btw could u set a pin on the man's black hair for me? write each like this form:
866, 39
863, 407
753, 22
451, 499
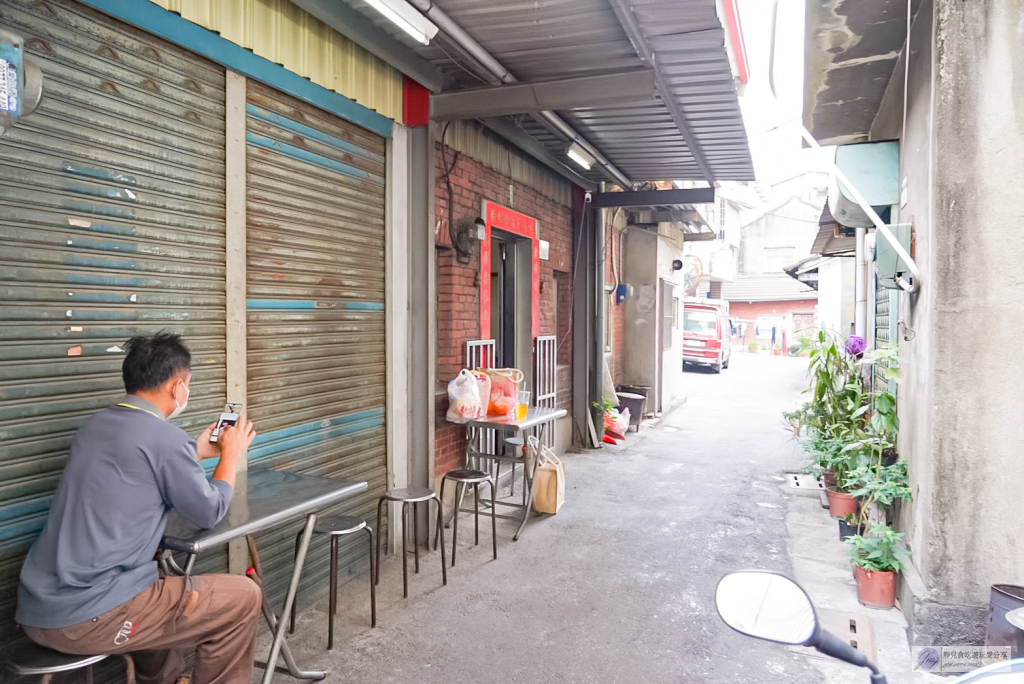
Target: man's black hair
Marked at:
152, 361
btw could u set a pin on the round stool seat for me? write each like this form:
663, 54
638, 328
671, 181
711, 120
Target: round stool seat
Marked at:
410, 494
338, 524
517, 441
33, 659
467, 476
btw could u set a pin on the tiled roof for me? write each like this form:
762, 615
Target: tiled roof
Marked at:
767, 287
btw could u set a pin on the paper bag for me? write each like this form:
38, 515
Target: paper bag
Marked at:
549, 480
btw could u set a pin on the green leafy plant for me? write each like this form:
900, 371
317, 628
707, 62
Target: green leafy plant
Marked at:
877, 550
606, 405
880, 484
753, 347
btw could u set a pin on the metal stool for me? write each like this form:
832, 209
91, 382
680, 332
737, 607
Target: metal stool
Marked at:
414, 496
34, 660
339, 526
462, 478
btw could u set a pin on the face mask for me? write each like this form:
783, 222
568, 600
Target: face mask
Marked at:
180, 407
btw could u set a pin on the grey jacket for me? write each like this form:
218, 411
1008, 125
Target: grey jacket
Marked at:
127, 469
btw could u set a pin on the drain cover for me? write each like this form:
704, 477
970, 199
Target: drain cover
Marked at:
856, 629
803, 482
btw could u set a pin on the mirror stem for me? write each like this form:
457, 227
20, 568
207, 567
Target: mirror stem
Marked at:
830, 644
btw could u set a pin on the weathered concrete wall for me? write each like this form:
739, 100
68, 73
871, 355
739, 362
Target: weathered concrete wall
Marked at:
961, 401
639, 258
979, 164
835, 295
673, 383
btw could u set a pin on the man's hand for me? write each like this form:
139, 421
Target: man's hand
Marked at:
204, 447
234, 441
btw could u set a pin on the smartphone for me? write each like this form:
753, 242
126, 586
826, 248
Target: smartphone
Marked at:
228, 417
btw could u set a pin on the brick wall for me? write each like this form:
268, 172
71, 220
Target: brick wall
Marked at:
458, 285
749, 311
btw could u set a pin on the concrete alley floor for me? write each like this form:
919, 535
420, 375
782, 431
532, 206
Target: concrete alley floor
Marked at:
619, 586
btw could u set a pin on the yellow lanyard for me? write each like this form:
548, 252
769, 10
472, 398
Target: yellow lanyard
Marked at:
139, 408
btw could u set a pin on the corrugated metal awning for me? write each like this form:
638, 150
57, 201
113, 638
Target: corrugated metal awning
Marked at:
832, 238
557, 39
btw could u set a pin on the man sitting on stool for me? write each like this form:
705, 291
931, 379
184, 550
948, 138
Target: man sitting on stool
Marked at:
90, 583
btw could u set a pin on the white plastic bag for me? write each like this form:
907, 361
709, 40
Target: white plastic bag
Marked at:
622, 422
464, 402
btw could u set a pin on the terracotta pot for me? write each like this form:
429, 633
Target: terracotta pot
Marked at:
841, 504
875, 588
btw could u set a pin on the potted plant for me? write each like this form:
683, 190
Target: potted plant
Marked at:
877, 558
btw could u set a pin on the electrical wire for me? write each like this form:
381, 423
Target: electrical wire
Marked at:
460, 256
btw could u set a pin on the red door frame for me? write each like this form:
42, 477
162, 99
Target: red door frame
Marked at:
503, 218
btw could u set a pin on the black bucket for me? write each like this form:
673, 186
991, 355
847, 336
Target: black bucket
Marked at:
1004, 598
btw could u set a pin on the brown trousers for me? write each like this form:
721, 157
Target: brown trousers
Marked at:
215, 614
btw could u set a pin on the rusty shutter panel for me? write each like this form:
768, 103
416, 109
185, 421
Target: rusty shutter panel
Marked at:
316, 363
111, 224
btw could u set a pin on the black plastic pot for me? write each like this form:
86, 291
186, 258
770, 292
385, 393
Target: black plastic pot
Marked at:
848, 530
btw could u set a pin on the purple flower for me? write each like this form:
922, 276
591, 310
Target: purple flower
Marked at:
855, 345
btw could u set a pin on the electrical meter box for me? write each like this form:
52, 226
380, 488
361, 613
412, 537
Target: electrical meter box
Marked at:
887, 264
12, 71
21, 81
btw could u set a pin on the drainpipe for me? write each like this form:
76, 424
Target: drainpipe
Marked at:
860, 287
499, 74
600, 313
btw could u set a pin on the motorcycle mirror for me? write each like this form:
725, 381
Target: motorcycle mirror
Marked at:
768, 606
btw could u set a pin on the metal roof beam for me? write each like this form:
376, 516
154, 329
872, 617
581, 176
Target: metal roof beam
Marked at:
494, 69
533, 147
654, 198
565, 93
363, 32
639, 41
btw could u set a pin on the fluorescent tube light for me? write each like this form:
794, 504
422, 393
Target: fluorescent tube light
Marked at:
580, 155
407, 18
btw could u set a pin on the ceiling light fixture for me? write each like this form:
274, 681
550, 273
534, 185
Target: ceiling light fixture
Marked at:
580, 155
407, 18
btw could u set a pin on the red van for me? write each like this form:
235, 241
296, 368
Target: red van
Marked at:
707, 336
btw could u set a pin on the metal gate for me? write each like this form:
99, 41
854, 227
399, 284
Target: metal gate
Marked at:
887, 316
111, 224
316, 362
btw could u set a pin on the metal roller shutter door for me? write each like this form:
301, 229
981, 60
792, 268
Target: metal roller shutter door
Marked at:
316, 363
111, 224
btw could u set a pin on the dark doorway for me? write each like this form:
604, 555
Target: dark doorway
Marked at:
510, 300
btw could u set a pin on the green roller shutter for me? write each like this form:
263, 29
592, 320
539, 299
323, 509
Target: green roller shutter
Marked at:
316, 362
111, 224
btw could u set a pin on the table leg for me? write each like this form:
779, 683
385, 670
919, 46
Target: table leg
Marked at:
529, 499
278, 627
